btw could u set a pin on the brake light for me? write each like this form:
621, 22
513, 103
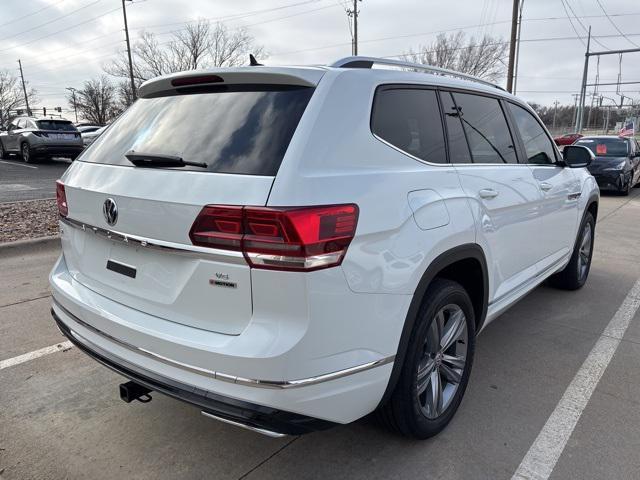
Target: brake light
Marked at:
61, 199
38, 133
291, 238
196, 80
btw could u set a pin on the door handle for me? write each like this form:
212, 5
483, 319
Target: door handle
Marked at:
488, 193
545, 186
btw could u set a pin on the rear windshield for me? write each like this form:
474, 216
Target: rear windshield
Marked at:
233, 129
606, 147
56, 125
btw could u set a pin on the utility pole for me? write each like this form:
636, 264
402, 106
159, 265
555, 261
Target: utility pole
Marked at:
575, 110
583, 89
354, 40
555, 113
126, 33
515, 74
75, 104
24, 89
512, 45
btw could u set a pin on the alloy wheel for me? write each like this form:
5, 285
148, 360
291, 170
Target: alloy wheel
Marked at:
443, 361
26, 153
584, 254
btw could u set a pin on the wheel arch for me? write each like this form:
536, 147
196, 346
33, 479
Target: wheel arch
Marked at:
465, 264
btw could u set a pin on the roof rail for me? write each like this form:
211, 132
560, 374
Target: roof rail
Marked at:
369, 62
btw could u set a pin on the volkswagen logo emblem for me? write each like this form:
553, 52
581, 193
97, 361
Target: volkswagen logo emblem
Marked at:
110, 211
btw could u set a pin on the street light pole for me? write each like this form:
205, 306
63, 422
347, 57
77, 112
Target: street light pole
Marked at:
75, 104
126, 33
24, 88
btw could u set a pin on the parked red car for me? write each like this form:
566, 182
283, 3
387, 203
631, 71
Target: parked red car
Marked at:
567, 139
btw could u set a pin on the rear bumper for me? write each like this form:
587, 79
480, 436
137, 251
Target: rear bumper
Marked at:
245, 413
283, 381
62, 150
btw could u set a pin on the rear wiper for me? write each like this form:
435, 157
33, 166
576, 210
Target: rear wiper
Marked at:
155, 160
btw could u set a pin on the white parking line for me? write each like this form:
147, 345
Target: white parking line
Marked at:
18, 164
540, 460
58, 347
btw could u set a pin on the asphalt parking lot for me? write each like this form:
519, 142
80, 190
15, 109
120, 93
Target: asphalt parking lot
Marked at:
33, 181
61, 416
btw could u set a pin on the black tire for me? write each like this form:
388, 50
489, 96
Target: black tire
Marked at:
406, 411
3, 152
575, 274
25, 153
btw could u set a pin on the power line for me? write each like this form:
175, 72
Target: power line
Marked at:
49, 21
31, 14
615, 26
571, 21
582, 24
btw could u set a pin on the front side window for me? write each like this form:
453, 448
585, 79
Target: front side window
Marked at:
486, 128
409, 119
537, 145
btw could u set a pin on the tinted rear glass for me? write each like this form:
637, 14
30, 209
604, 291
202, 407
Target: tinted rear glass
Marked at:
233, 129
409, 119
606, 147
56, 125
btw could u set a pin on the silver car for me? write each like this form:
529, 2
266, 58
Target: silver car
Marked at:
32, 138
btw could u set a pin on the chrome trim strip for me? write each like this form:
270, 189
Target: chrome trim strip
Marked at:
250, 382
227, 256
263, 431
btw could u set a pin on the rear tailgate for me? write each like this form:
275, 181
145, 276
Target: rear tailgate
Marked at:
145, 260
167, 277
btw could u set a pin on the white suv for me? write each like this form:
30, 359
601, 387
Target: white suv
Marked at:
293, 248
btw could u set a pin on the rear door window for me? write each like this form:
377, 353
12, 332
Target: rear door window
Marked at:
486, 128
537, 144
458, 147
243, 129
409, 119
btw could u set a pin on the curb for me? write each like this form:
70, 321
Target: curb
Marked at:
21, 247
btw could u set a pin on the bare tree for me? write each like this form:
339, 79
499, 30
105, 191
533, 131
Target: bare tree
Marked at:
12, 95
483, 58
96, 100
199, 45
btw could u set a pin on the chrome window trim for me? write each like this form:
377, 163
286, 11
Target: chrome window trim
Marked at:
250, 382
227, 256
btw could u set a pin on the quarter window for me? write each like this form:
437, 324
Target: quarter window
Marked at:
409, 119
486, 127
537, 145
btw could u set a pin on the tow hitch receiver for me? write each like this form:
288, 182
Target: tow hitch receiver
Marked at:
131, 391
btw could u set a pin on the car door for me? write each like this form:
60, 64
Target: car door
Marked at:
635, 160
559, 187
10, 139
502, 193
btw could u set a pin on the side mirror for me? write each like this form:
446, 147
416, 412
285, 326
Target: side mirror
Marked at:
576, 156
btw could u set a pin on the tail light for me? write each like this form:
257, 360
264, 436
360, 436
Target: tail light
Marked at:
61, 199
38, 133
292, 238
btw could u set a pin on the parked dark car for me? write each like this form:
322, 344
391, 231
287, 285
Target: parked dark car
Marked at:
567, 139
32, 138
617, 163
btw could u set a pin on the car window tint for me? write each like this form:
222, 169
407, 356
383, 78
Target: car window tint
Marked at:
486, 128
605, 146
458, 147
409, 119
537, 144
56, 125
241, 129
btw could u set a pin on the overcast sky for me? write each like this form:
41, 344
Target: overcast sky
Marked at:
63, 42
